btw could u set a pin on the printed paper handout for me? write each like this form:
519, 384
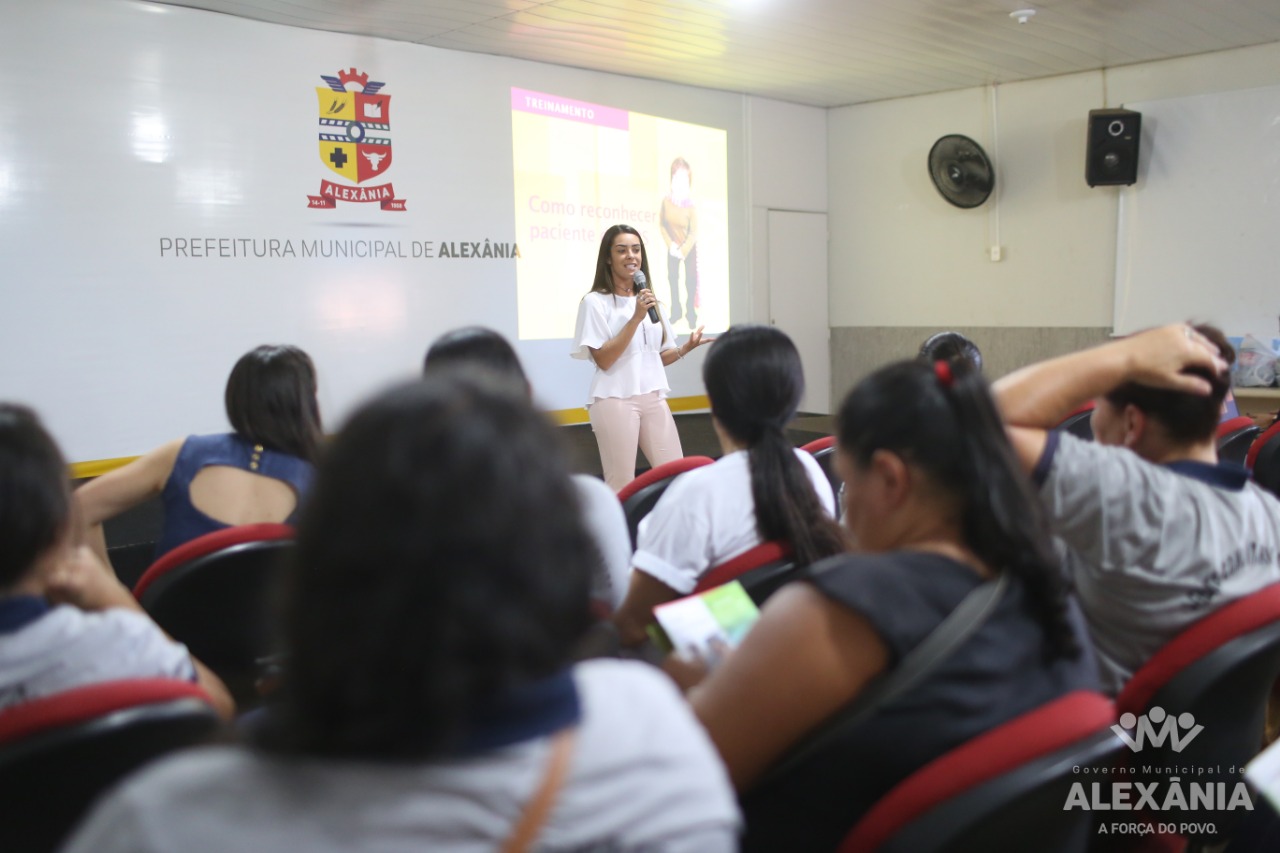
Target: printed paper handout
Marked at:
708, 625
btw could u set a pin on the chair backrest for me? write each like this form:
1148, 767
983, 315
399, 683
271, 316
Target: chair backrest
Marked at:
824, 451
1220, 671
58, 753
1078, 422
1263, 459
761, 570
1260, 442
1000, 789
1235, 436
641, 494
211, 593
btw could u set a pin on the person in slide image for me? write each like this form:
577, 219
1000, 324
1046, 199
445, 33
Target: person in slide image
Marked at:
678, 217
257, 473
429, 700
627, 400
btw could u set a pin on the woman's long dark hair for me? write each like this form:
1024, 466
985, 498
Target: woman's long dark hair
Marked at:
271, 400
754, 380
949, 428
604, 276
441, 563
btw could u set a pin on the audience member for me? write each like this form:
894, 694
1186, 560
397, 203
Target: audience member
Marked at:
762, 488
474, 347
440, 584
937, 506
65, 621
1157, 534
257, 473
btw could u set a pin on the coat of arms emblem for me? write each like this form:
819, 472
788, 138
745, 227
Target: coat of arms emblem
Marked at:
355, 140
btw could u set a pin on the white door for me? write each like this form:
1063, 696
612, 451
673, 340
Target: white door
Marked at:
798, 297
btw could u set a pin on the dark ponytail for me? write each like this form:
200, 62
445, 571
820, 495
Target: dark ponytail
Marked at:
941, 418
754, 380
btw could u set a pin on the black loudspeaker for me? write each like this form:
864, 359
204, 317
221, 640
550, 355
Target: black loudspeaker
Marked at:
1111, 151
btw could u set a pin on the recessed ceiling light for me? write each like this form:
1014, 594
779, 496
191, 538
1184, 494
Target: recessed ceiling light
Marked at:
1023, 15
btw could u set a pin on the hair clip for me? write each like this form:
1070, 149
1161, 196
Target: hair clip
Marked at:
942, 369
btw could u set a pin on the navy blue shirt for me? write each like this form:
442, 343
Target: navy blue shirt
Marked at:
182, 521
998, 673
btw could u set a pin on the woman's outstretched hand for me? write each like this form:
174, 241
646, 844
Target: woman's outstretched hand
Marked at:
696, 340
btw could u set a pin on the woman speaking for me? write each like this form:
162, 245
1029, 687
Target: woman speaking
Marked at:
622, 330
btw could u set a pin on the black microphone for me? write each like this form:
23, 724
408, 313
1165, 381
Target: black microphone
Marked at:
639, 283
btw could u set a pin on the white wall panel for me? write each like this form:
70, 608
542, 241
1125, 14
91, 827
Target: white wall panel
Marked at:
901, 256
125, 124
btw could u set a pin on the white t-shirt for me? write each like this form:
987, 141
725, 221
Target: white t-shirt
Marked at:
67, 647
607, 524
643, 776
639, 369
707, 516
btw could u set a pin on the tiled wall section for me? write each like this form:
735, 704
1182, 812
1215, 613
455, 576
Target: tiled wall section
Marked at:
858, 350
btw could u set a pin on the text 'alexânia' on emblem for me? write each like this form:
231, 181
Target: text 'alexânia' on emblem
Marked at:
355, 141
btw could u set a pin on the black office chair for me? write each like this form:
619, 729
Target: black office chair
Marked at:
58, 753
824, 451
641, 494
1079, 423
1220, 671
1002, 791
1264, 459
1235, 436
212, 595
761, 570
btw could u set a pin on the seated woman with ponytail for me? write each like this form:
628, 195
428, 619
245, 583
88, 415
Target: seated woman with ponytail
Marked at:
763, 489
937, 507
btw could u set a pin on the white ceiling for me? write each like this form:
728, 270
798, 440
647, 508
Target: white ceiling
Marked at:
820, 52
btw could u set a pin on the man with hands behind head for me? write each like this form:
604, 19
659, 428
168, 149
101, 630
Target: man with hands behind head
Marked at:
1156, 533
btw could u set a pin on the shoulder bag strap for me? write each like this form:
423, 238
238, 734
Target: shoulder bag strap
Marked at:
942, 642
539, 807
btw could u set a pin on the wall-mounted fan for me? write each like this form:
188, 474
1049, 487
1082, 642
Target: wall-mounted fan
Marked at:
961, 171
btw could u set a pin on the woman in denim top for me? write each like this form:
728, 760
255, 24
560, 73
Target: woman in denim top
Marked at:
258, 473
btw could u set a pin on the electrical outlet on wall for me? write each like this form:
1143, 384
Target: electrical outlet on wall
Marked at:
997, 253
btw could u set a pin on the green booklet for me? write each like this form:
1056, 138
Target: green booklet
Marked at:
706, 626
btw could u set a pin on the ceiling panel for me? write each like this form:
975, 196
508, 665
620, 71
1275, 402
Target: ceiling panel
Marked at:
819, 52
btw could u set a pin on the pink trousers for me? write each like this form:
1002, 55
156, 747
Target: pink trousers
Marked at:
622, 424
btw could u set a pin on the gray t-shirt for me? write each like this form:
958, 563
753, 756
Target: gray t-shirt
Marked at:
1152, 548
46, 650
643, 776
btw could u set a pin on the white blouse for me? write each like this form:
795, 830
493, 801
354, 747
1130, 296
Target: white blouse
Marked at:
639, 369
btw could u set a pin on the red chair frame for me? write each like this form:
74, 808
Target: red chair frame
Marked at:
211, 594
760, 570
59, 753
640, 495
1020, 770
1258, 443
1220, 670
823, 450
1235, 439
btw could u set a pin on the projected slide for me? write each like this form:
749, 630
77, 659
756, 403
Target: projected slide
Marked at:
580, 168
